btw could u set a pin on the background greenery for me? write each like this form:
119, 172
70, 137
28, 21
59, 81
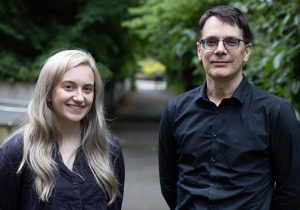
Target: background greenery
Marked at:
121, 33
168, 29
30, 30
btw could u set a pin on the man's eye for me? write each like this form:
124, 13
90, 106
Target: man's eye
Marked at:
231, 42
211, 42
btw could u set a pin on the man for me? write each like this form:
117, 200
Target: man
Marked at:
227, 144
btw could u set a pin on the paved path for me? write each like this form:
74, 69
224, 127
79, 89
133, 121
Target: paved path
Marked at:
136, 123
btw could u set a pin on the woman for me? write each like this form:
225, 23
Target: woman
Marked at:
63, 157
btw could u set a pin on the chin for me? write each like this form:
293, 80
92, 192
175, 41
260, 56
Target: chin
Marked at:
219, 75
220, 72
75, 119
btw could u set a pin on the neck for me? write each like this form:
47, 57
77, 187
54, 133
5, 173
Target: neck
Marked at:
68, 128
217, 90
71, 134
70, 142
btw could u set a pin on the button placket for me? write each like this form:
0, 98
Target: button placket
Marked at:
213, 161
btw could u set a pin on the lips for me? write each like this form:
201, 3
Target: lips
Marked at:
75, 108
220, 63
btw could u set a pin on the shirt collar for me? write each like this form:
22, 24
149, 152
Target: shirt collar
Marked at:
201, 94
240, 93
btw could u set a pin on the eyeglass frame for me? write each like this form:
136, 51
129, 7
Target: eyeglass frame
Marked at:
202, 42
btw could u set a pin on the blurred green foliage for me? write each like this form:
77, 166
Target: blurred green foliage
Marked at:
32, 30
120, 33
168, 30
274, 65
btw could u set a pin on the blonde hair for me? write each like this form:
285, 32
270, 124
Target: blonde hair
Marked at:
42, 136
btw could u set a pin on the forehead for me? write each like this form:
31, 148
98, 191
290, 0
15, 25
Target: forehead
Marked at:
215, 27
79, 74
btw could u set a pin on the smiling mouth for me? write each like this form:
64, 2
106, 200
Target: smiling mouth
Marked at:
75, 107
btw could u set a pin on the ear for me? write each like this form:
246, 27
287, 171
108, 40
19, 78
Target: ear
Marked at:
49, 98
199, 51
248, 49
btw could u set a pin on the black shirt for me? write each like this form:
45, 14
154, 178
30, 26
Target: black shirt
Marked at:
73, 190
241, 155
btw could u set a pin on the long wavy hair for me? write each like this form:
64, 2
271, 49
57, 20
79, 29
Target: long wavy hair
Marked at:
42, 136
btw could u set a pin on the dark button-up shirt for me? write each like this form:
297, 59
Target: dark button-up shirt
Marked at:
73, 190
241, 155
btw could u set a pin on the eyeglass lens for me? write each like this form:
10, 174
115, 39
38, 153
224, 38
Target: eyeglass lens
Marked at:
212, 44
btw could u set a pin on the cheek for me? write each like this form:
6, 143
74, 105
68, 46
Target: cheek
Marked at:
239, 60
205, 60
90, 99
90, 104
57, 99
207, 56
55, 94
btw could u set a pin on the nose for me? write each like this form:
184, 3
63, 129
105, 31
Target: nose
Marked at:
220, 48
78, 96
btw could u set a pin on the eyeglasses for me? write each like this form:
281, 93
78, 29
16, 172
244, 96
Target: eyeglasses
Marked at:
229, 43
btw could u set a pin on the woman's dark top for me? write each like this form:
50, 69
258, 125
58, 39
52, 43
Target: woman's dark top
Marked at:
75, 189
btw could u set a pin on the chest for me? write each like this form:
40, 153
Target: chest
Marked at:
73, 190
227, 132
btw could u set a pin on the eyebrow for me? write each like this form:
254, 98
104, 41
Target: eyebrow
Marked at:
74, 83
226, 37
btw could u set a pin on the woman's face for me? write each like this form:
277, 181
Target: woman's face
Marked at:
72, 97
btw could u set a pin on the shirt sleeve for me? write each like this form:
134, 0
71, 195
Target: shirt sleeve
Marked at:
168, 172
10, 182
285, 151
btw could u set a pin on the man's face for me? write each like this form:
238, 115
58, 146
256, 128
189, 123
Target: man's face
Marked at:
221, 63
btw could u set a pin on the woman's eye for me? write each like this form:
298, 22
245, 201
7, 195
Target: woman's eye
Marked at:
88, 89
68, 87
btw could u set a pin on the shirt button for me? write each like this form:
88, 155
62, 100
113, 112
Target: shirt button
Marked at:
210, 205
213, 161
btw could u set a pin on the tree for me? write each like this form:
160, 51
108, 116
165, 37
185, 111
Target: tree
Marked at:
274, 64
30, 32
168, 30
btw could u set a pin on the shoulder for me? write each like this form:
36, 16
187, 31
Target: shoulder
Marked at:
13, 146
265, 96
116, 155
11, 152
274, 105
114, 143
10, 181
185, 98
115, 148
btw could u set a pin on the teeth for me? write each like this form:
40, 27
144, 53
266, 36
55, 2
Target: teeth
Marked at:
76, 107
